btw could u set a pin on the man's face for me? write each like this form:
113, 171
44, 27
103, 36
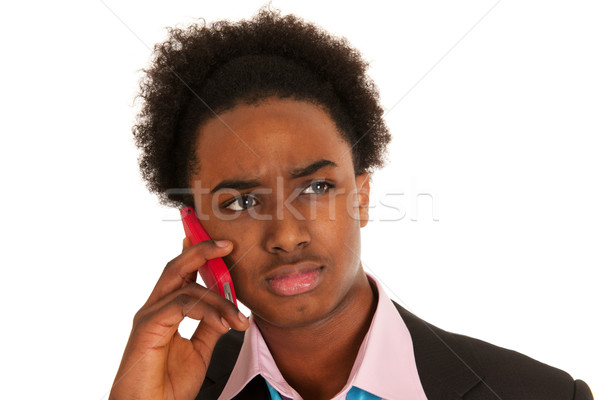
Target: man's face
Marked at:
277, 179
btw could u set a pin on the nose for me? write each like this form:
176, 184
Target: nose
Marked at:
286, 234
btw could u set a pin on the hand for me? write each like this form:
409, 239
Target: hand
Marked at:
160, 364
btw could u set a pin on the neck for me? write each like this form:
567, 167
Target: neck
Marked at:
316, 360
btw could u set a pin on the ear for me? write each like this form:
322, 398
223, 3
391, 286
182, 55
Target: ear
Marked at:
363, 190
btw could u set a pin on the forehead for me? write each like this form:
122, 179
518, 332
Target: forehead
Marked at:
270, 137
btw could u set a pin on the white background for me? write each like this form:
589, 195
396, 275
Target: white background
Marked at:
500, 128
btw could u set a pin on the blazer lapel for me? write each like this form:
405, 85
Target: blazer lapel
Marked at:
440, 359
223, 360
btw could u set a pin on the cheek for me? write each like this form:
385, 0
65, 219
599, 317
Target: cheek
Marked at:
246, 251
245, 266
337, 230
243, 246
345, 211
347, 226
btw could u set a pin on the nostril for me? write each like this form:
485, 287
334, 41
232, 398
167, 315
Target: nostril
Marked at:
285, 236
291, 248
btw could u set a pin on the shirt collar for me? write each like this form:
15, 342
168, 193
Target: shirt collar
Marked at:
385, 364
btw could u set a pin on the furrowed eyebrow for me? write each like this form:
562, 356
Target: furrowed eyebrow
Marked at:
239, 184
312, 168
236, 185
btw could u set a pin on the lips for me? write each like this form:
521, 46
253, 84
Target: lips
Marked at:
295, 279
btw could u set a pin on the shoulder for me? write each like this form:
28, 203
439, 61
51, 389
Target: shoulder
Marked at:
475, 369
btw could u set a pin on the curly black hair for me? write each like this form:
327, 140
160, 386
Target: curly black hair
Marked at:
205, 69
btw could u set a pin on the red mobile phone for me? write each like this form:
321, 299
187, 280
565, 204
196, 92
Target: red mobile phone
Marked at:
214, 273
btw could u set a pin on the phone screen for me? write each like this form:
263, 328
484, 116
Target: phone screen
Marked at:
214, 273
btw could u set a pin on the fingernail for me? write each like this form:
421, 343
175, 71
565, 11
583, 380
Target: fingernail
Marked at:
225, 324
242, 317
222, 243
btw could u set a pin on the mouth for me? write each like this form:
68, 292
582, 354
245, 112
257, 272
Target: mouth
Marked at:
294, 279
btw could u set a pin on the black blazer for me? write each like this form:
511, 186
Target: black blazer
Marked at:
450, 367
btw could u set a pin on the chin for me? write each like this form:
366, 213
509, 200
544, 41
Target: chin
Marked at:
294, 312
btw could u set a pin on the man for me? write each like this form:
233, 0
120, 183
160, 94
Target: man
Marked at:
274, 127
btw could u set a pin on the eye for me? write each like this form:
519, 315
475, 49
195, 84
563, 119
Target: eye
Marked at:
241, 203
318, 187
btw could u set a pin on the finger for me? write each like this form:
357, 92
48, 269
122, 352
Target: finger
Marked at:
182, 270
156, 329
205, 336
238, 322
225, 308
187, 243
158, 324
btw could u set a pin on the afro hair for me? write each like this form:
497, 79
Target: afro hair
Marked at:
205, 69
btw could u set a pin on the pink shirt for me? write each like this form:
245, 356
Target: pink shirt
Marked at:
385, 365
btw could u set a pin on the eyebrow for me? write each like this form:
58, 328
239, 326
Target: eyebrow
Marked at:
240, 184
236, 185
312, 168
